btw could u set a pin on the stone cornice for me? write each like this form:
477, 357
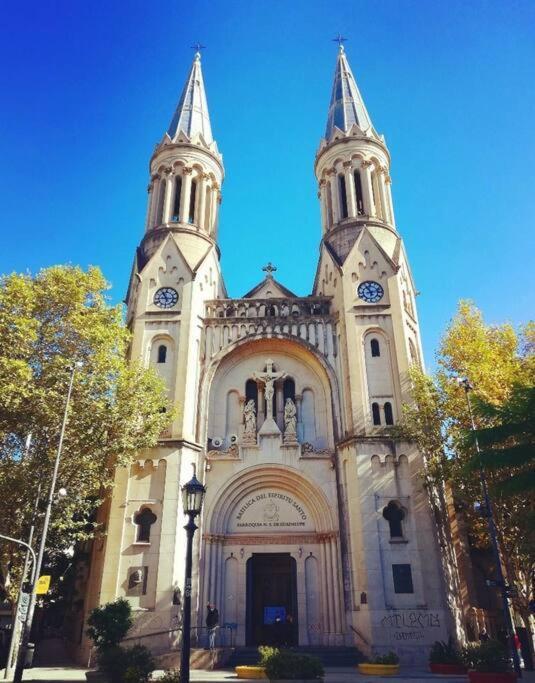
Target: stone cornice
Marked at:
178, 145
266, 539
348, 140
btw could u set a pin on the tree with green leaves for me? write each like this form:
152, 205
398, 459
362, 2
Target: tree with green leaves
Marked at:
499, 362
48, 322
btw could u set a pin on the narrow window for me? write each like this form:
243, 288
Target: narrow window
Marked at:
358, 193
191, 217
176, 203
376, 351
376, 414
376, 198
162, 353
343, 196
288, 389
394, 515
402, 576
389, 416
251, 392
144, 519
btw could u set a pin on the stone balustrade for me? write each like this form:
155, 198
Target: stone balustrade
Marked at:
305, 318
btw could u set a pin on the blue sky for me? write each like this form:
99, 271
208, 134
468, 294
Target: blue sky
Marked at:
90, 87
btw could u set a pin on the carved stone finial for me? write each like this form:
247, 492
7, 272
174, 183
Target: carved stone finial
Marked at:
269, 269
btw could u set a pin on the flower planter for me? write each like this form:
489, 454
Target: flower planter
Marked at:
251, 672
379, 669
484, 677
447, 669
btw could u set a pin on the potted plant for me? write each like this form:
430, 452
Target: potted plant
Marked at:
488, 662
108, 626
445, 658
382, 665
282, 665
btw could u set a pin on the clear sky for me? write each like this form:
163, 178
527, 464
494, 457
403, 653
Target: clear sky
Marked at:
88, 88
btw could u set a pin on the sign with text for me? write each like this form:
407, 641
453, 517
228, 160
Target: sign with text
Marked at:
43, 584
270, 511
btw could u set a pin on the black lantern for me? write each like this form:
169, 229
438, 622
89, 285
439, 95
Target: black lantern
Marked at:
192, 496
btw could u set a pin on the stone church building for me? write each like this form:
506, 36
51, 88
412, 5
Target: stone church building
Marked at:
283, 403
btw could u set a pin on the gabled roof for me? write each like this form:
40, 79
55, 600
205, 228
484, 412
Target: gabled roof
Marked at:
191, 116
273, 286
347, 107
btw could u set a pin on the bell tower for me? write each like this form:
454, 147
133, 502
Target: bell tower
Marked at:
352, 167
186, 174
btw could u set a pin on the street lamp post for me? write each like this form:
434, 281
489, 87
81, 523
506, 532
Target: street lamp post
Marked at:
192, 498
27, 624
493, 534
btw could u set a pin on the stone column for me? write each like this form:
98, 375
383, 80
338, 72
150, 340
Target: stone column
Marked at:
279, 406
213, 209
350, 190
367, 192
333, 178
298, 399
169, 195
388, 181
260, 413
150, 195
323, 205
381, 175
186, 191
201, 206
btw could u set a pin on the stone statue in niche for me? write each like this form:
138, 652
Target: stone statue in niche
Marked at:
290, 422
249, 418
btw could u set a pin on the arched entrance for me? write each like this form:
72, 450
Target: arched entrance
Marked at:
271, 550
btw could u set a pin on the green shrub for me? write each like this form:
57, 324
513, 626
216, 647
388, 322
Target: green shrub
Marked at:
281, 664
109, 624
390, 658
134, 665
445, 653
490, 656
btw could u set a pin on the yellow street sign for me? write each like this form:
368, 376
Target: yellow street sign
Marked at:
43, 585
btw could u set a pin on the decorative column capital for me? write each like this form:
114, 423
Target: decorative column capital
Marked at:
347, 164
205, 176
187, 170
323, 182
365, 163
388, 179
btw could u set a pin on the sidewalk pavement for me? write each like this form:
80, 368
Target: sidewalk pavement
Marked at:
336, 675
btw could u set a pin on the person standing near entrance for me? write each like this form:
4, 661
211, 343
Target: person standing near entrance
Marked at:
212, 623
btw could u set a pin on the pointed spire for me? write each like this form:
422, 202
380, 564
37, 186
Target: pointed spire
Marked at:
191, 115
347, 106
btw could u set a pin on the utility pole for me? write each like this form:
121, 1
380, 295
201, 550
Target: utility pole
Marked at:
27, 624
493, 536
15, 630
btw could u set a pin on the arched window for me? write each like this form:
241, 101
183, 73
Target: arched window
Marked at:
376, 414
144, 519
375, 349
251, 392
394, 515
193, 193
343, 196
162, 353
389, 416
358, 193
176, 203
288, 389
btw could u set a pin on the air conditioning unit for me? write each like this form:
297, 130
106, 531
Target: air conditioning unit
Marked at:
217, 442
233, 438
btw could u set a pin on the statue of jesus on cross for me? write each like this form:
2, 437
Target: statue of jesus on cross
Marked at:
269, 377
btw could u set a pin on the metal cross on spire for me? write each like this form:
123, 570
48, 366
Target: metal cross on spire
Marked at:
198, 47
269, 269
340, 40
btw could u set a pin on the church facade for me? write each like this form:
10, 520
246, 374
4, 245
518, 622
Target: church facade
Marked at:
284, 404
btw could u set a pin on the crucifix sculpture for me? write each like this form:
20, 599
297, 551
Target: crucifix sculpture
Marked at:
269, 377
269, 269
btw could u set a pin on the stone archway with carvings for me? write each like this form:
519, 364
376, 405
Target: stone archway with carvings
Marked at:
273, 508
